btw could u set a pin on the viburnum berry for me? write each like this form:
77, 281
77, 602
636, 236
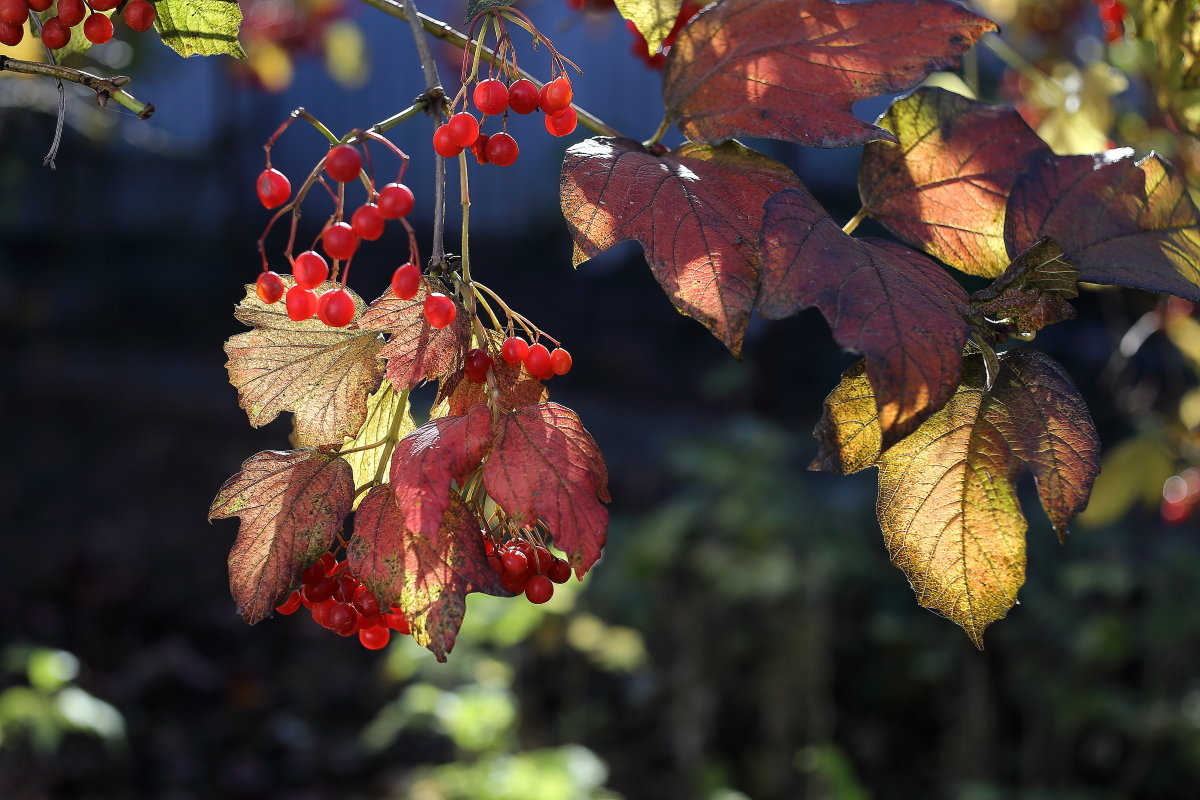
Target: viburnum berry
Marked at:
71, 12
375, 637
523, 96
396, 621
560, 571
269, 287
336, 308
491, 97
367, 221
395, 201
556, 95
562, 123
339, 240
406, 281
309, 269
501, 149
301, 304
55, 33
367, 603
480, 148
14, 12
98, 28
343, 163
463, 129
342, 619
561, 361
539, 589
103, 5
320, 591
513, 350
537, 360
11, 35
515, 563
443, 145
139, 15
272, 186
542, 559
290, 605
476, 365
439, 310
317, 571
40, 5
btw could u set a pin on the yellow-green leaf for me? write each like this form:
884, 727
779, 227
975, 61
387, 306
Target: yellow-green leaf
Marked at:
385, 408
1172, 29
653, 18
200, 27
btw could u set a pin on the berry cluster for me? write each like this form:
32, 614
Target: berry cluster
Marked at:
340, 603
526, 568
492, 98
539, 361
1112, 15
56, 30
1181, 496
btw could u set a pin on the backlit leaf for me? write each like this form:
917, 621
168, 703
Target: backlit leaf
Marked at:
385, 408
1032, 293
322, 374
416, 352
653, 18
545, 465
513, 388
848, 435
1119, 221
943, 185
892, 304
291, 503
791, 69
1171, 28
200, 27
696, 213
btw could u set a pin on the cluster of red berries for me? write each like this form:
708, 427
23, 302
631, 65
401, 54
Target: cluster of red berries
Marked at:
339, 602
493, 98
1112, 15
1181, 496
439, 309
526, 568
56, 31
539, 362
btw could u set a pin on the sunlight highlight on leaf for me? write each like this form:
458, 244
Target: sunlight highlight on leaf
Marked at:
382, 408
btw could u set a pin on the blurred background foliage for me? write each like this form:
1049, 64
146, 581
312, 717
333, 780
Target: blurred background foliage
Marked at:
744, 635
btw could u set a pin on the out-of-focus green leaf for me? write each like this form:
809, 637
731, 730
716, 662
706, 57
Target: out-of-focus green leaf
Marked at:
200, 27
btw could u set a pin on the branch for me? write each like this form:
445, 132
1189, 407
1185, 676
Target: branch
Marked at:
105, 88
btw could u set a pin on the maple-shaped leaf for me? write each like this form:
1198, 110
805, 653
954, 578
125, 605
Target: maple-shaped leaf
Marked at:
695, 211
892, 304
510, 387
429, 460
1032, 293
792, 69
429, 577
415, 351
545, 465
388, 413
291, 503
1119, 221
943, 185
321, 374
654, 19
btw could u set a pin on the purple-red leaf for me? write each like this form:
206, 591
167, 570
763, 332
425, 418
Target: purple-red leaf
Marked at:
791, 69
415, 351
545, 465
892, 304
696, 212
290, 503
1032, 293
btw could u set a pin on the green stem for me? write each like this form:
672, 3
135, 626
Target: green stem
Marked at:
105, 88
663, 127
394, 120
392, 438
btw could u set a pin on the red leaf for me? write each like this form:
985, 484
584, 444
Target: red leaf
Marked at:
544, 464
415, 351
514, 387
694, 211
1119, 221
428, 460
890, 303
290, 503
791, 69
429, 577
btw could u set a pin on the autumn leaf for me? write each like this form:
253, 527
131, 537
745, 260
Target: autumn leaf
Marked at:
848, 435
792, 69
943, 185
429, 577
545, 465
892, 304
322, 374
654, 19
1119, 221
695, 212
416, 352
290, 502
1032, 293
511, 387
1168, 29
385, 408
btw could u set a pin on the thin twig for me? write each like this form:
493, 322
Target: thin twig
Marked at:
105, 88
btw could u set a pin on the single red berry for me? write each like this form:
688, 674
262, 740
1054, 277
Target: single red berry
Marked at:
539, 589
537, 360
40, 5
463, 129
443, 145
406, 281
560, 571
269, 287
374, 638
320, 611
368, 221
542, 559
480, 148
491, 97
513, 350
562, 123
515, 563
14, 12
98, 28
345, 585
556, 95
301, 303
11, 35
55, 33
340, 241
396, 621
439, 310
273, 187
501, 149
72, 12
366, 602
320, 591
104, 5
139, 15
395, 201
309, 269
560, 361
522, 96
514, 583
343, 163
318, 569
489, 547
342, 619
290, 605
476, 365
336, 308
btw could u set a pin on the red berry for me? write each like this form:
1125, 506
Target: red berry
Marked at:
560, 571
72, 12
290, 605
366, 602
562, 123
273, 188
340, 241
522, 96
104, 5
368, 221
443, 145
476, 365
501, 149
555, 96
336, 308
439, 310
342, 619
463, 129
269, 287
542, 558
14, 12
309, 269
406, 281
513, 350
491, 97
396, 621
55, 33
395, 201
515, 563
301, 303
560, 361
317, 571
40, 5
343, 163
480, 148
320, 591
513, 583
320, 612
539, 589
537, 360
374, 638
98, 28
11, 35
139, 15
